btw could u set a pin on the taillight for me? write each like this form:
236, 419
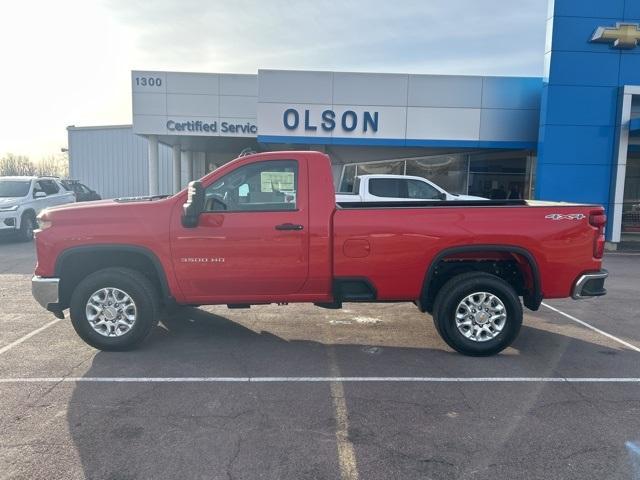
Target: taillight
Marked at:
598, 220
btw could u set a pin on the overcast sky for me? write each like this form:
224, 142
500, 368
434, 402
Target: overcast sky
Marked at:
67, 62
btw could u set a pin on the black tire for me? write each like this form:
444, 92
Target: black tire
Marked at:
27, 225
452, 294
141, 291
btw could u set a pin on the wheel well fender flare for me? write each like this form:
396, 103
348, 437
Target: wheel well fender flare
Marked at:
120, 248
531, 301
27, 212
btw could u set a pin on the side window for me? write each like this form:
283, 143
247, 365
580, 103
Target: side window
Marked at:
386, 187
418, 189
261, 186
37, 187
47, 186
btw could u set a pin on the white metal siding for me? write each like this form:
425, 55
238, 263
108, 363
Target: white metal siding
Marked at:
113, 161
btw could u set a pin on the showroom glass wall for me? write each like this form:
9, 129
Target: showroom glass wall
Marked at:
492, 174
631, 206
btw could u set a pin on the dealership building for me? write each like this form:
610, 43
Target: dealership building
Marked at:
571, 135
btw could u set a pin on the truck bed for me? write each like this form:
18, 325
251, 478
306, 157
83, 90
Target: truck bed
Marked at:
392, 251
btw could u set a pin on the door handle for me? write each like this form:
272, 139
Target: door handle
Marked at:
289, 226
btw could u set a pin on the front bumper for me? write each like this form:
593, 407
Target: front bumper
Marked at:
590, 285
45, 291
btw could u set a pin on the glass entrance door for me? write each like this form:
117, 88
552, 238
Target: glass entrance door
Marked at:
631, 206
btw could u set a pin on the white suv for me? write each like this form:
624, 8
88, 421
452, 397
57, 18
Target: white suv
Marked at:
22, 198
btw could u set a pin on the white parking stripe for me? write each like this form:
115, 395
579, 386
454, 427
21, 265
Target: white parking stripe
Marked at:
595, 329
346, 451
320, 379
28, 336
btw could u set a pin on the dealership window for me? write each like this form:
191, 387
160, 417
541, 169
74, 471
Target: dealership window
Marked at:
631, 205
447, 171
489, 174
347, 181
261, 186
500, 175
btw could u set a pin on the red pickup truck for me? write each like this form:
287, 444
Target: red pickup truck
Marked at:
265, 228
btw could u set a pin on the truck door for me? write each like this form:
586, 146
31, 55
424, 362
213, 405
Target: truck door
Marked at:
252, 239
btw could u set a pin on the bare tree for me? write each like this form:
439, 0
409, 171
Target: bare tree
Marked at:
53, 165
16, 165
56, 166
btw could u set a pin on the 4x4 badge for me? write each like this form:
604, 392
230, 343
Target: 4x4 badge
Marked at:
569, 216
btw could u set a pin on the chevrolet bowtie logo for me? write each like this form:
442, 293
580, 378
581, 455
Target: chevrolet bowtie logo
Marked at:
623, 35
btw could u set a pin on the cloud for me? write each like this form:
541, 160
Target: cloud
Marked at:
488, 37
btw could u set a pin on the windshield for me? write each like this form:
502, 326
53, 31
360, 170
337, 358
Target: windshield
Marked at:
14, 188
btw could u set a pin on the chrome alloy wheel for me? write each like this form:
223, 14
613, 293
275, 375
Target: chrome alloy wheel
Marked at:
481, 316
111, 312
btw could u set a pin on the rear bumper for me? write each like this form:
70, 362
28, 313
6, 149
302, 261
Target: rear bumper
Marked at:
590, 285
45, 291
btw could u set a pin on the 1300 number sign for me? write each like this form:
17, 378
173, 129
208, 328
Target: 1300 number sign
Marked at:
148, 81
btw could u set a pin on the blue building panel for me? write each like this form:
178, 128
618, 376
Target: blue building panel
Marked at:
630, 69
613, 9
574, 183
580, 105
632, 11
576, 145
585, 68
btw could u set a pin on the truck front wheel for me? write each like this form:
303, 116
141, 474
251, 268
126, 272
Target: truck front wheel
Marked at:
114, 308
477, 314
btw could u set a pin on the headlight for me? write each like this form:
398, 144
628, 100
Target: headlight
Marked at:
12, 208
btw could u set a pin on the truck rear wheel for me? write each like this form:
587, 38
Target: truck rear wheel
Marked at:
477, 314
114, 308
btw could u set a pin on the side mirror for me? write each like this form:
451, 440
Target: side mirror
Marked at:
442, 196
39, 194
194, 205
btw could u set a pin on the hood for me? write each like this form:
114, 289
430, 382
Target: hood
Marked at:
9, 201
81, 205
102, 210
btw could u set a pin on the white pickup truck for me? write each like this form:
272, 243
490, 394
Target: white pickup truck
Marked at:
397, 188
22, 198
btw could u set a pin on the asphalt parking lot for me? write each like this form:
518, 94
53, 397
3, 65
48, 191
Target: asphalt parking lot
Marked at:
298, 392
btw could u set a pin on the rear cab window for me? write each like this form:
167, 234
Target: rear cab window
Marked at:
388, 187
